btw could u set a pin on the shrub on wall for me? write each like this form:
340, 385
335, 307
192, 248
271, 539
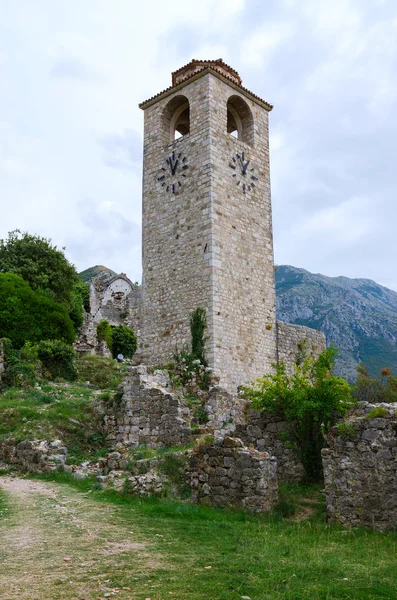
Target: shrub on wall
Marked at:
198, 325
310, 401
104, 332
57, 359
123, 341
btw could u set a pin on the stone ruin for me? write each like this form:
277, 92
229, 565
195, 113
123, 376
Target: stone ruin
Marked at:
116, 299
360, 468
228, 474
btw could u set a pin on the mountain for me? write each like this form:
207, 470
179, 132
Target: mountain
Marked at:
97, 271
358, 315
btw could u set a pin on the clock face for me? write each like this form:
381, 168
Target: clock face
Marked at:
244, 172
173, 172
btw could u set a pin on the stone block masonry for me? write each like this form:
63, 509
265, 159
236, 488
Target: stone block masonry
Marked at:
294, 342
267, 433
360, 468
36, 456
227, 474
207, 235
146, 411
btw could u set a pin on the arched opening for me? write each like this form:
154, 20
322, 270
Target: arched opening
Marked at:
240, 122
176, 118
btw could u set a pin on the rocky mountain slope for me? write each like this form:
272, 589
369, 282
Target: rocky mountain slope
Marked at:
358, 315
98, 270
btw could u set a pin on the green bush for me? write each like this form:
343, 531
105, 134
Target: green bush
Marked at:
123, 341
27, 315
57, 359
198, 325
40, 264
310, 401
346, 431
104, 332
378, 412
375, 389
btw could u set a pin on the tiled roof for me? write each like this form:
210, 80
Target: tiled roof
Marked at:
207, 66
206, 63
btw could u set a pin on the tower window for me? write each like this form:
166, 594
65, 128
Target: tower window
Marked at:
176, 118
240, 122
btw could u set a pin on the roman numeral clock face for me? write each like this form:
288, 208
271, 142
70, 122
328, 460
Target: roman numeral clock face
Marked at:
244, 172
173, 172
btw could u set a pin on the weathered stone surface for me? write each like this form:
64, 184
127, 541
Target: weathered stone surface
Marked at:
148, 412
296, 341
265, 433
36, 456
246, 480
360, 470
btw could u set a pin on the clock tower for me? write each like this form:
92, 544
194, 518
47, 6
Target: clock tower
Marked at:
207, 226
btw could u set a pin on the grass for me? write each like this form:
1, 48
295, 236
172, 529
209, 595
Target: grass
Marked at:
224, 555
57, 411
62, 410
105, 373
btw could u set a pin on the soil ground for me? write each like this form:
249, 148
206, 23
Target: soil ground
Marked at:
59, 544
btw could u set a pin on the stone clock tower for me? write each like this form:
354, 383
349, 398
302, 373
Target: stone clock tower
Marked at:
207, 225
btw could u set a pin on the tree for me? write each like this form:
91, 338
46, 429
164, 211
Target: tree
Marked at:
41, 264
123, 341
28, 315
310, 401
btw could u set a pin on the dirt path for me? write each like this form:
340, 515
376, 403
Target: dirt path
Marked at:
56, 543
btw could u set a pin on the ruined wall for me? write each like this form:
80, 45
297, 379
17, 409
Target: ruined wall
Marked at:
227, 474
115, 299
37, 456
146, 412
360, 469
296, 341
267, 433
224, 410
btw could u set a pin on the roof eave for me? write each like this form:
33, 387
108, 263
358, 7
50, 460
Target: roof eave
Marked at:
172, 89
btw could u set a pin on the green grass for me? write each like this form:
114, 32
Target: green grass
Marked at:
262, 557
105, 373
56, 411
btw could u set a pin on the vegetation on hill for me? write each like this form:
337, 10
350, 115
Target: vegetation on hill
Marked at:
358, 316
60, 410
97, 271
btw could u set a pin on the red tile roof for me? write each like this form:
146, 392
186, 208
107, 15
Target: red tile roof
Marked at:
207, 66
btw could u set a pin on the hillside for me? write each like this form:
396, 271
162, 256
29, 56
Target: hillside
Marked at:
98, 270
358, 315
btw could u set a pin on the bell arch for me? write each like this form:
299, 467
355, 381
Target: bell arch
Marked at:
240, 122
176, 118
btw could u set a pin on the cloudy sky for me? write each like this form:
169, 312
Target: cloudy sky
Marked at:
73, 71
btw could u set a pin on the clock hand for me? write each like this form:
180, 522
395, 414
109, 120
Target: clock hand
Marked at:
245, 167
174, 167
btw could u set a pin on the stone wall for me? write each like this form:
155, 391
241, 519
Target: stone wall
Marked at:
227, 474
37, 456
267, 433
224, 410
295, 341
146, 411
360, 468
